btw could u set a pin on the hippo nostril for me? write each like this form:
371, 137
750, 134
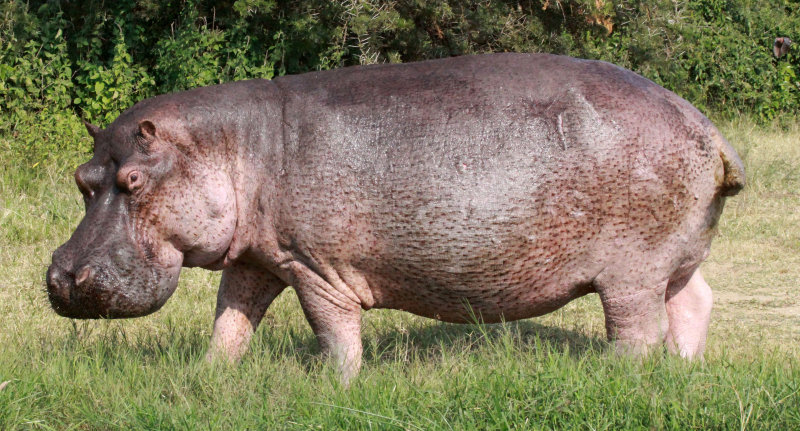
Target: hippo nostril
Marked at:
55, 278
58, 283
52, 275
83, 275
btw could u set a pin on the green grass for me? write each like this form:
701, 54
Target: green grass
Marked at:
551, 372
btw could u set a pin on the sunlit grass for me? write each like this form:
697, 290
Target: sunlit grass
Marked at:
551, 372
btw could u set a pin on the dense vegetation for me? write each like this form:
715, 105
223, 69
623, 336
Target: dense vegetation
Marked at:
61, 60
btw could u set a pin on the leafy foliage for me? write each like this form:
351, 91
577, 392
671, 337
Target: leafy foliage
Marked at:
104, 91
36, 90
92, 59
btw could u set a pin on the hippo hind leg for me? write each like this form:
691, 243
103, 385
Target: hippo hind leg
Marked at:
335, 318
688, 302
635, 313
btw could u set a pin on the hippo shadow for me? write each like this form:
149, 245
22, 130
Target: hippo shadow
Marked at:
395, 337
431, 341
428, 341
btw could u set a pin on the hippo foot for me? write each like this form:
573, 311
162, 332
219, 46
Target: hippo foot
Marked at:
338, 331
334, 317
636, 319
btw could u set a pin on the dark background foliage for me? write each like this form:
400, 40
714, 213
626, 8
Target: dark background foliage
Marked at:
62, 60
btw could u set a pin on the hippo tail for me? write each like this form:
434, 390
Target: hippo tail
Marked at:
733, 178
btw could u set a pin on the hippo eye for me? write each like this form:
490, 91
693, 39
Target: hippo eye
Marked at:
130, 179
134, 180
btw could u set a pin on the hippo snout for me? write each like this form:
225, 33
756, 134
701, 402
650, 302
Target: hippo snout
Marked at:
72, 293
110, 284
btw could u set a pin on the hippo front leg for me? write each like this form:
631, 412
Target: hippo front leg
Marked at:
245, 292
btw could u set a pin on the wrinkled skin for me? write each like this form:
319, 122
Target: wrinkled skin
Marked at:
490, 187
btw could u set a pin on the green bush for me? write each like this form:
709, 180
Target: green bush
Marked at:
196, 56
36, 87
104, 91
60, 61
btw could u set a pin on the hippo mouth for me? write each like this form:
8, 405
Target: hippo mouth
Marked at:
102, 295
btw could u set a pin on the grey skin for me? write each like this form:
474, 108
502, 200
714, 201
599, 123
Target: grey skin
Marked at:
498, 186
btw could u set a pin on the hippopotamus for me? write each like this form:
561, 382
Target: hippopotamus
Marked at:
479, 188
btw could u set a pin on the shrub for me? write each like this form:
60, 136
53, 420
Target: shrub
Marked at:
36, 90
103, 91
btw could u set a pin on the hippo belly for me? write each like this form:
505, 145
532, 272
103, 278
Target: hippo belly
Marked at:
498, 252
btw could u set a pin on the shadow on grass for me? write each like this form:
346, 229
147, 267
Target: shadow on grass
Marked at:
423, 340
430, 341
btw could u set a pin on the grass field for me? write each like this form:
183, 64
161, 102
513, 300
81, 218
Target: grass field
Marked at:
551, 372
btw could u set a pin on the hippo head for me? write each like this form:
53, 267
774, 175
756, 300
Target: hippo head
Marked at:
155, 201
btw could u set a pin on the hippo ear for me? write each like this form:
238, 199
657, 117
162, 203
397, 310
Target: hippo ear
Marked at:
91, 128
147, 129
